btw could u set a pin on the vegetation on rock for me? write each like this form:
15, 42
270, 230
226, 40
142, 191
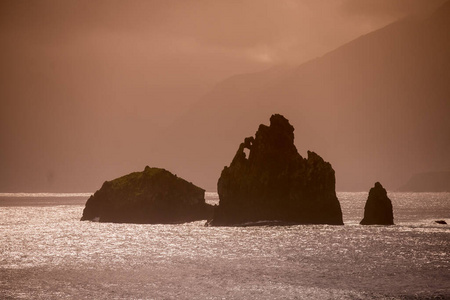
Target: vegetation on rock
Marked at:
152, 196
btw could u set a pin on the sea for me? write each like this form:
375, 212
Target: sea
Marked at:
46, 252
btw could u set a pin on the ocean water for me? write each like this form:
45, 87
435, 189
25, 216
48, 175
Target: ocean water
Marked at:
47, 253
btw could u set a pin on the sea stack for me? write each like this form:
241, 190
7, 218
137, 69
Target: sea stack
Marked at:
378, 208
154, 196
274, 184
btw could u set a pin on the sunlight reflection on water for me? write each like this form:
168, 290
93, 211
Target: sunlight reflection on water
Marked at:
47, 251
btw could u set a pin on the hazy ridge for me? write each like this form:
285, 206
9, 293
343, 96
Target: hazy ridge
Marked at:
376, 108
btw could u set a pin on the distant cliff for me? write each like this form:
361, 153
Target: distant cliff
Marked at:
274, 183
151, 196
380, 101
428, 182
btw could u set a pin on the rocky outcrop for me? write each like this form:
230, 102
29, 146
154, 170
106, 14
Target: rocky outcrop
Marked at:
152, 196
442, 222
378, 208
274, 183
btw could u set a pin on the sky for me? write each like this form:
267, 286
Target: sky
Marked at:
80, 78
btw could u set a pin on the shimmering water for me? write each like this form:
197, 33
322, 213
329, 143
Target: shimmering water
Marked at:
47, 253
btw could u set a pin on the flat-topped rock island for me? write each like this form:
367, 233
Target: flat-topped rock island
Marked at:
153, 196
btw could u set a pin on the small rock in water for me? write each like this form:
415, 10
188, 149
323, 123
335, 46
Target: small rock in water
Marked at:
378, 208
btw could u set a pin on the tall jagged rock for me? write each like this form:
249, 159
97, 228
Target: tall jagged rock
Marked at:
274, 183
152, 196
378, 208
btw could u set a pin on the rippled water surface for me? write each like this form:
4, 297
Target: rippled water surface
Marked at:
47, 253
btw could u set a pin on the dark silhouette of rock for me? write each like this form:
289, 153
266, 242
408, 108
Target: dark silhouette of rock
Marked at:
152, 196
378, 208
441, 222
274, 183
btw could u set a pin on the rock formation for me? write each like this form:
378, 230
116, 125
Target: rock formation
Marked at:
442, 222
378, 208
274, 183
152, 196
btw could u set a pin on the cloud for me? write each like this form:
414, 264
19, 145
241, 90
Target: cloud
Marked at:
272, 31
381, 9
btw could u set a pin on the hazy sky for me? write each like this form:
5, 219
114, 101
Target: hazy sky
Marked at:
78, 75
138, 51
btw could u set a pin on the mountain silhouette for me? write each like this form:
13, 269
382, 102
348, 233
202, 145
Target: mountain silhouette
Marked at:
376, 108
